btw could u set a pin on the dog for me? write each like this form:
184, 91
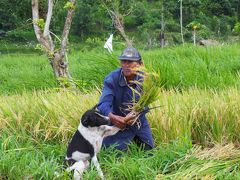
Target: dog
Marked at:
87, 142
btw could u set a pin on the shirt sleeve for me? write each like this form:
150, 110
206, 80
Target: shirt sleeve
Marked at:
106, 99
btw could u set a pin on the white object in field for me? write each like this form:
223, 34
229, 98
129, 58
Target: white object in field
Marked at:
108, 44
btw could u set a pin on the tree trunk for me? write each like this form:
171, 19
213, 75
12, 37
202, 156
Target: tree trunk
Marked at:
128, 42
181, 24
118, 22
60, 66
117, 19
57, 58
194, 37
162, 40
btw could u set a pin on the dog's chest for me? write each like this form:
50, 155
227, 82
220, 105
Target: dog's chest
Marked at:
96, 142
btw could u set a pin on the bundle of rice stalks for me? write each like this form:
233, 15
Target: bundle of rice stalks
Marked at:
218, 152
149, 92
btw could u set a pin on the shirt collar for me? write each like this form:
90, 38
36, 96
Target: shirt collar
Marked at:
122, 80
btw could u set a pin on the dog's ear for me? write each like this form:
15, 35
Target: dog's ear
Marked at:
84, 119
88, 118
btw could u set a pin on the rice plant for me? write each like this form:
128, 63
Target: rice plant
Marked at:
45, 115
180, 68
203, 116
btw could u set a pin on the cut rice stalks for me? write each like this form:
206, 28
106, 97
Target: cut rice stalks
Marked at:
210, 163
150, 86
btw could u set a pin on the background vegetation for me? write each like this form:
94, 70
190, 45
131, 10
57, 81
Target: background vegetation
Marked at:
180, 68
220, 20
195, 130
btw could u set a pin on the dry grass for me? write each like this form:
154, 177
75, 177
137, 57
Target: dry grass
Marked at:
204, 116
44, 115
208, 163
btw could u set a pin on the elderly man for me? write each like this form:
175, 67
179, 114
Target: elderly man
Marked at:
117, 94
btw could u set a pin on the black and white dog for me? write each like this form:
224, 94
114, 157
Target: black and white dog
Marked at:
87, 142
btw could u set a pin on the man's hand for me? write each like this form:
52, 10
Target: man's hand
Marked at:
131, 118
117, 120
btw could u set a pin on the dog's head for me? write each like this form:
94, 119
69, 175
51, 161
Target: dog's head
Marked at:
92, 118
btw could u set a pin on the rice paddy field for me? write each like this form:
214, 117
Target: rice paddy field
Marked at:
196, 130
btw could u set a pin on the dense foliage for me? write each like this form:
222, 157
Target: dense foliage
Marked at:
142, 20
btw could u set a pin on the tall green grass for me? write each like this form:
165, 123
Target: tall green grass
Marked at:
180, 67
21, 72
21, 157
24, 158
204, 67
25, 72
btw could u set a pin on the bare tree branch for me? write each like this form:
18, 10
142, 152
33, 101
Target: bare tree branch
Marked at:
35, 15
162, 43
38, 32
48, 19
181, 24
66, 29
117, 19
46, 33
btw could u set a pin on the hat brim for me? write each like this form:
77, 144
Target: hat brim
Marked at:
128, 58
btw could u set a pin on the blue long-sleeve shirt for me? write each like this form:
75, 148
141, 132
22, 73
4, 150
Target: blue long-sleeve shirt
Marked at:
117, 95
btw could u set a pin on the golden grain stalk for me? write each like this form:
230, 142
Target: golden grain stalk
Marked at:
149, 93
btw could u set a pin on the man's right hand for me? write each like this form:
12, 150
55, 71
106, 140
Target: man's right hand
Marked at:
117, 120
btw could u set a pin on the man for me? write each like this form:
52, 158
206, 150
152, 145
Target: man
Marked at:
116, 96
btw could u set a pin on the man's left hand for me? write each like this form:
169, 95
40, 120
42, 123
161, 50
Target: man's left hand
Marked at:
131, 118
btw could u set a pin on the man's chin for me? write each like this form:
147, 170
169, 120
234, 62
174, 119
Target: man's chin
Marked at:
127, 73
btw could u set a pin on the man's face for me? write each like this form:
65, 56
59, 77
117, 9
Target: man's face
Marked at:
129, 68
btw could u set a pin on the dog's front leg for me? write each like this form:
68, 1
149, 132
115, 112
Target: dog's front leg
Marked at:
110, 130
97, 165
